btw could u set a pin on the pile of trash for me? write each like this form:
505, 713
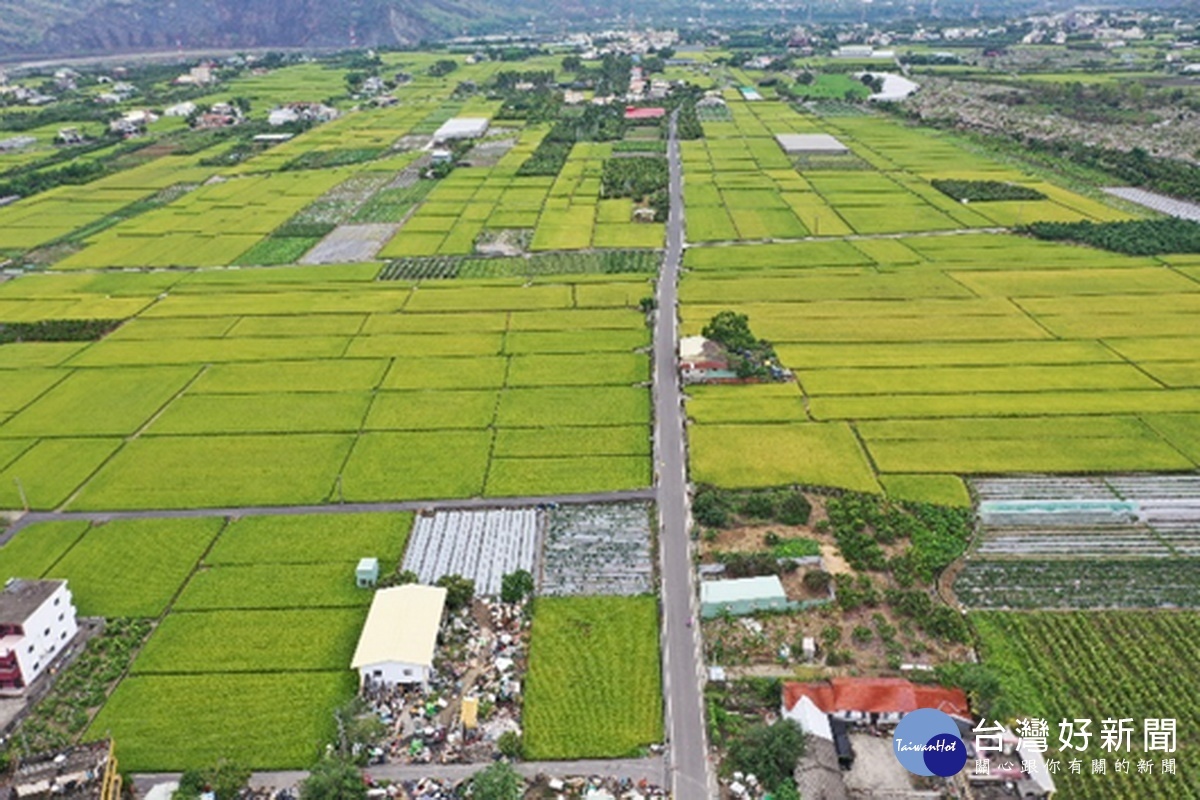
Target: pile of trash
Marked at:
597, 788
745, 786
590, 788
473, 699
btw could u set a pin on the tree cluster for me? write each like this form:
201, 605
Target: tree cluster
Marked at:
984, 191
225, 780
57, 330
769, 752
723, 508
1142, 237
861, 524
1135, 167
442, 67
593, 124
749, 356
643, 178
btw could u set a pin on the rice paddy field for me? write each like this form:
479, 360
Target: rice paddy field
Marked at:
606, 650
322, 323
286, 391
926, 343
237, 602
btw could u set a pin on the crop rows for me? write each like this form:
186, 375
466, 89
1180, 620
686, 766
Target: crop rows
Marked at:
1031, 583
1102, 665
589, 653
482, 546
604, 262
598, 550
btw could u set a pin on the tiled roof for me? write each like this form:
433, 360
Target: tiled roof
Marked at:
877, 696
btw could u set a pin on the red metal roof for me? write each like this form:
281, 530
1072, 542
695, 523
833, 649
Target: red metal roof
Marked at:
633, 112
876, 696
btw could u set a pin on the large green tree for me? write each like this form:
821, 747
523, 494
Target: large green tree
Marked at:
769, 751
498, 782
333, 779
730, 329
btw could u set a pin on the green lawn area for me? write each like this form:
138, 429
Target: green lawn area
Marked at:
594, 683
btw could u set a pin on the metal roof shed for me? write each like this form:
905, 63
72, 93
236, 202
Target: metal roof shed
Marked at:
810, 144
741, 596
399, 638
461, 128
366, 574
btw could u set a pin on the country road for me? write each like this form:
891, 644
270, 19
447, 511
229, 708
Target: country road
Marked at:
689, 773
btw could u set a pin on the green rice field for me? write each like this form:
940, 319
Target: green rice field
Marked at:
308, 391
922, 357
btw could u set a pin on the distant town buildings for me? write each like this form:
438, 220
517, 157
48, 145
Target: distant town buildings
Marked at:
292, 113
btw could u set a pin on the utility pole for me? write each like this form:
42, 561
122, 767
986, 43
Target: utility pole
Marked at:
21, 491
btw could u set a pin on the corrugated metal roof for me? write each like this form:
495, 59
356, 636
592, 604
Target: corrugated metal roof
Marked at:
742, 589
462, 128
810, 143
402, 626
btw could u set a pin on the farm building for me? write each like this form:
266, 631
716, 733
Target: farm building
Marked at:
895, 87
635, 113
802, 144
749, 93
875, 701
461, 128
742, 596
37, 620
366, 574
400, 635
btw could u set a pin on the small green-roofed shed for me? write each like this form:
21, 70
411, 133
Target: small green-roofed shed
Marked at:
366, 574
741, 596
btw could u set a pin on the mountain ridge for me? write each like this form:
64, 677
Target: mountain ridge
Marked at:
90, 27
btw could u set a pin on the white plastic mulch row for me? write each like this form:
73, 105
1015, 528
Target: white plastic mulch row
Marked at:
480, 545
1159, 202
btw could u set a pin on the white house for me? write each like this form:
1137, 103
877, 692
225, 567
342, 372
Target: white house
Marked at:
37, 620
399, 638
282, 116
180, 110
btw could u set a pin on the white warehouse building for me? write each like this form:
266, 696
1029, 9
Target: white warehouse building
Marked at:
400, 635
37, 621
461, 128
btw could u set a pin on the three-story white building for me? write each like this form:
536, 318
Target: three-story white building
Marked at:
37, 620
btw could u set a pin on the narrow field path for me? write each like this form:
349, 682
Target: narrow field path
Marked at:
33, 517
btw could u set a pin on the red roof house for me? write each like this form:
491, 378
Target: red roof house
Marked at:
633, 112
875, 700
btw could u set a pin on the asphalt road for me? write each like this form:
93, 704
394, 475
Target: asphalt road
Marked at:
690, 776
